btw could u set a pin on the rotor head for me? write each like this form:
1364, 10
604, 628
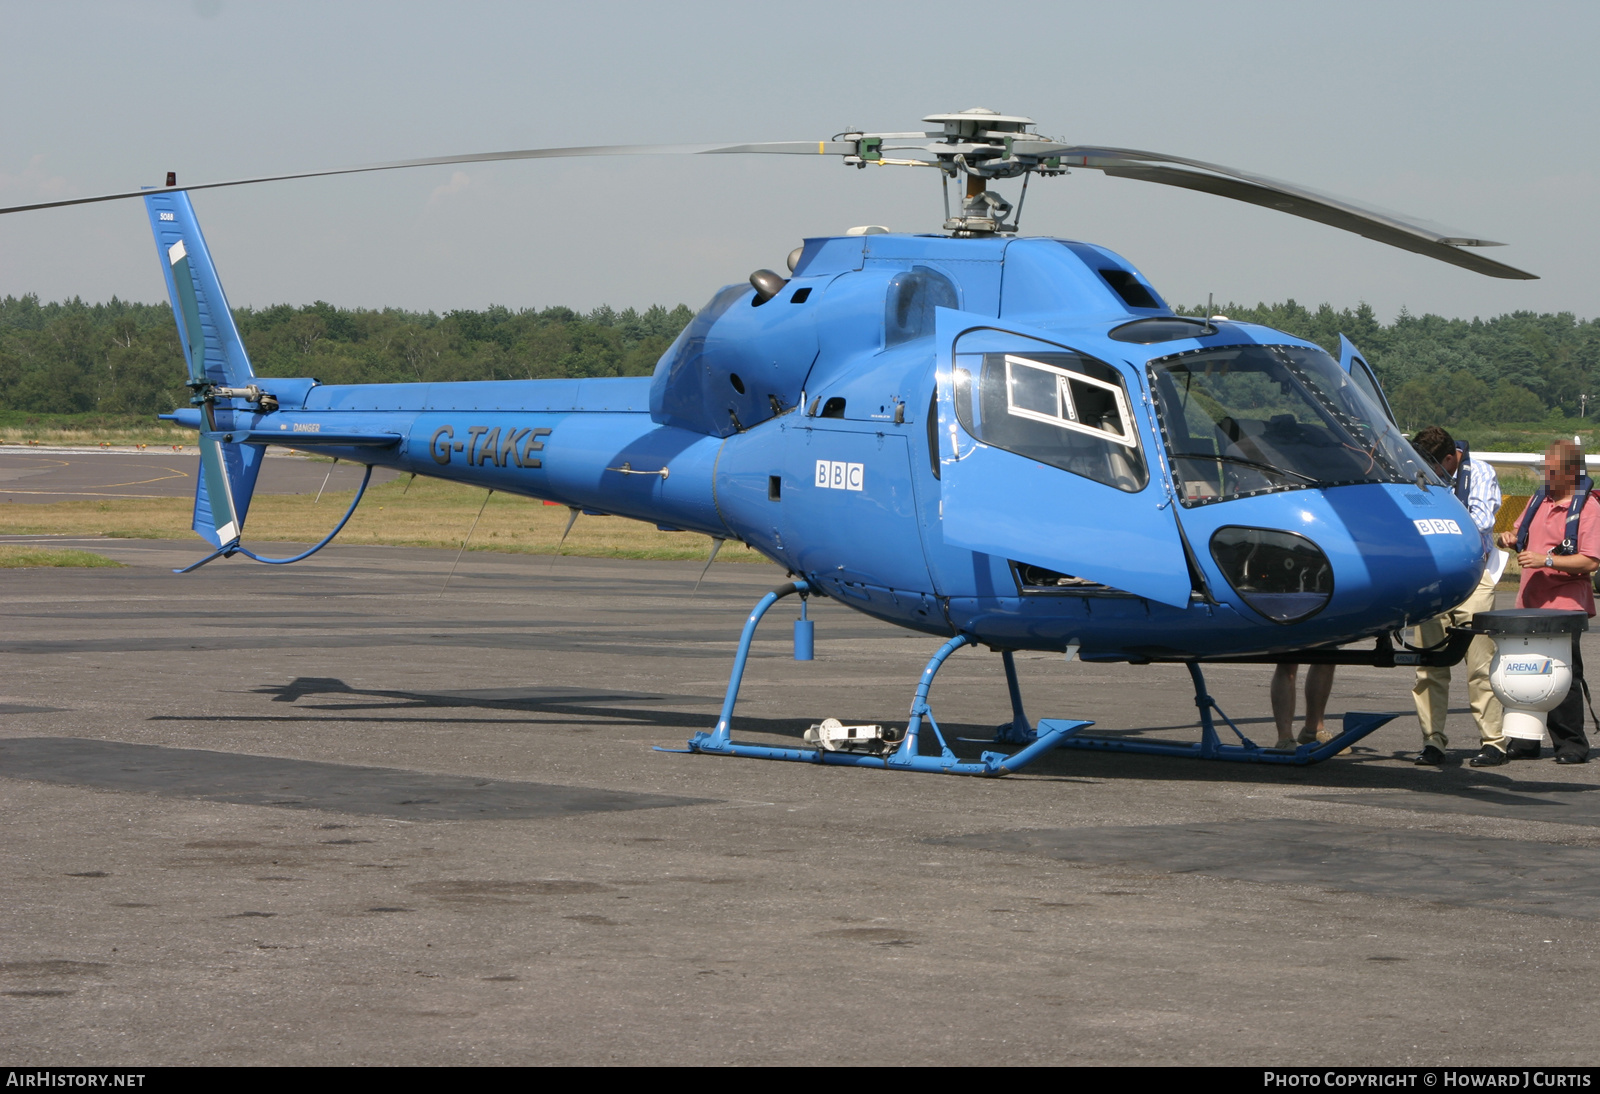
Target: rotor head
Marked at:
980, 122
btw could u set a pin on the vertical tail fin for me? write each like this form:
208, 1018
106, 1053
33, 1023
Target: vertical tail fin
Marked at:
215, 355
211, 342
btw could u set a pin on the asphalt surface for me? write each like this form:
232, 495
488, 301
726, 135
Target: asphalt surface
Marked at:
325, 814
42, 475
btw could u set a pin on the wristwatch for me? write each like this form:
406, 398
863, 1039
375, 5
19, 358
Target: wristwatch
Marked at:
1550, 563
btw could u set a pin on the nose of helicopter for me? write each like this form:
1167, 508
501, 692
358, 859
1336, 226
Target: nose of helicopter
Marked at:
1341, 560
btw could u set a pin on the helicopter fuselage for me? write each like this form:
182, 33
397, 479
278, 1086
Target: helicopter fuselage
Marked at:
1015, 440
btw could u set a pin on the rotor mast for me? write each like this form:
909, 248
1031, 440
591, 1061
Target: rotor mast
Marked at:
981, 145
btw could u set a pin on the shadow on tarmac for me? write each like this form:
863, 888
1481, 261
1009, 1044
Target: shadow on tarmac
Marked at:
1456, 789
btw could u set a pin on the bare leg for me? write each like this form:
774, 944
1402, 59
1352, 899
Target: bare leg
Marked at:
1319, 685
1283, 681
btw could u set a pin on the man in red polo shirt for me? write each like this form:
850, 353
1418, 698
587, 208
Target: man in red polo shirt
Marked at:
1557, 575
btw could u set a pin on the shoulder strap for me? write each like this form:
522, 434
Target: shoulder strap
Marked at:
1527, 519
1569, 544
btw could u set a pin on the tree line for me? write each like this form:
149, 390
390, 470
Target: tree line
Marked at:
124, 358
1520, 367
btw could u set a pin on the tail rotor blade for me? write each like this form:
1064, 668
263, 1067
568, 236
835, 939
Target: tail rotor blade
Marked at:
224, 515
188, 312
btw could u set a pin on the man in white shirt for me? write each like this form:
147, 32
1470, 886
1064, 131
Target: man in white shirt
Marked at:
1479, 490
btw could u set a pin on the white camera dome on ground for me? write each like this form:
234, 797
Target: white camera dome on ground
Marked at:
1530, 673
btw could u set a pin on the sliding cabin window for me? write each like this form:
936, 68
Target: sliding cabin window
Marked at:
1062, 409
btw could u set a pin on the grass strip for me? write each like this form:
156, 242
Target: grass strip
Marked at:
16, 557
428, 513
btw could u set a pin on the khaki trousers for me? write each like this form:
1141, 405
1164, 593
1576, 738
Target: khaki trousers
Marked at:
1432, 690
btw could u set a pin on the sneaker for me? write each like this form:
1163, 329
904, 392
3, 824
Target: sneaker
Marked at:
1526, 751
1489, 756
1430, 757
1285, 744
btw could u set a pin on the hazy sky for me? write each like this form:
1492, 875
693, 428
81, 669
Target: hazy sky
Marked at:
1481, 116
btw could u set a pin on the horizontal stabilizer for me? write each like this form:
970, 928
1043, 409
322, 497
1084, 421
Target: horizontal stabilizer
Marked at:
192, 419
313, 440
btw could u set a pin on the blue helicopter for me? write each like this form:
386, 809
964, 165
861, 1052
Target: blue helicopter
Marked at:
996, 440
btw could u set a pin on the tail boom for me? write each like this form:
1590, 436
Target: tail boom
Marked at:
599, 460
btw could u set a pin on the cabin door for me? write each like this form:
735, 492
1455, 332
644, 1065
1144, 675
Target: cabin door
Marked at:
1051, 458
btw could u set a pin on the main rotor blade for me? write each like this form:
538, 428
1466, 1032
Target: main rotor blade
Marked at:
1397, 230
788, 148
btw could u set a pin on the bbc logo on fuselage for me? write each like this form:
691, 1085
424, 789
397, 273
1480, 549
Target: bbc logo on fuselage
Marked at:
836, 475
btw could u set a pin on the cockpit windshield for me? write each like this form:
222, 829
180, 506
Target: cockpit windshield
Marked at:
1255, 419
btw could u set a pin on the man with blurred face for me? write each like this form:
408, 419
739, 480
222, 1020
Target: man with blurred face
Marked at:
1479, 490
1556, 573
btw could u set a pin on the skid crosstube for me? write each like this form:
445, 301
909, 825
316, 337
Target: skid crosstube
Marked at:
1050, 734
906, 755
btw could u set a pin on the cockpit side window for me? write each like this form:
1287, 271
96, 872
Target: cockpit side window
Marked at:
1369, 386
1062, 409
908, 310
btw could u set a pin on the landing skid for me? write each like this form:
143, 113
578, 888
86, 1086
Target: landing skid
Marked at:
1212, 746
905, 755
